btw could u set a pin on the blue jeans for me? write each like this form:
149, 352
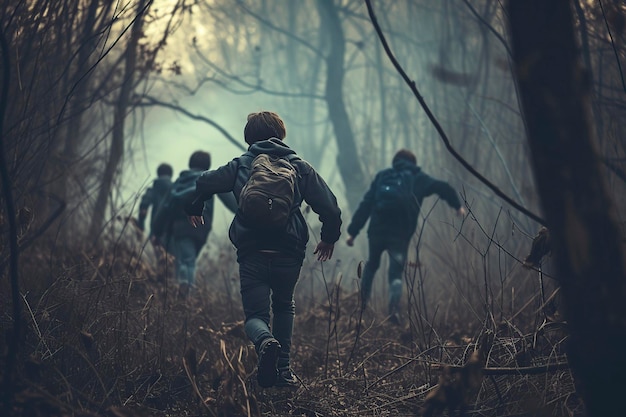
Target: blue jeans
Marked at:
266, 278
397, 251
186, 251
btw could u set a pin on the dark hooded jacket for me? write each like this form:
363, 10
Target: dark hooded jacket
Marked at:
152, 198
171, 219
402, 226
310, 188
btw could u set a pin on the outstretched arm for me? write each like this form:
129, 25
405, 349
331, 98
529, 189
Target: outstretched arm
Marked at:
144, 205
318, 195
448, 194
220, 180
362, 213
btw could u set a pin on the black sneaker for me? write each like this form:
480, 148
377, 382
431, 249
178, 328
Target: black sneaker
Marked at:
267, 373
286, 379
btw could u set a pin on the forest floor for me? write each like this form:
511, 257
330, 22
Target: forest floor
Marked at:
108, 334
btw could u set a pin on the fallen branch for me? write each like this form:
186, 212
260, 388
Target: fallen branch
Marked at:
523, 370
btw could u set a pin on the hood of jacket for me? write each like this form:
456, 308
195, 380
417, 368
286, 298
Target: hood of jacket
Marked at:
161, 184
185, 183
272, 146
403, 165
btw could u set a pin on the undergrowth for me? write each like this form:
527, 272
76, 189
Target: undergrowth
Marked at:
107, 333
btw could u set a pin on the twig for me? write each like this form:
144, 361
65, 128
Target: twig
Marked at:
400, 367
155, 102
194, 385
619, 64
40, 231
39, 334
243, 384
524, 370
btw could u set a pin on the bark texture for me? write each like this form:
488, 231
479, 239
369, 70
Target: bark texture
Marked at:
586, 241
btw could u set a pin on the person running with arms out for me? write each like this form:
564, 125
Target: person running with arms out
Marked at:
154, 195
392, 205
270, 235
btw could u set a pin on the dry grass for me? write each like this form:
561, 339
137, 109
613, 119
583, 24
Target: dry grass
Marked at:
107, 335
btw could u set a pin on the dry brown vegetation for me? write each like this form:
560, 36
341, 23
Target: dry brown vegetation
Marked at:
108, 335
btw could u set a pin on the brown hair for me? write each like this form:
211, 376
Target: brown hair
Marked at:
405, 154
262, 126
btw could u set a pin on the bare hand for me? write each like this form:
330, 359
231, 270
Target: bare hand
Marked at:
350, 241
195, 220
461, 212
324, 251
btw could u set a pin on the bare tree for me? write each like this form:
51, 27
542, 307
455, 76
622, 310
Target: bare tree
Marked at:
555, 92
121, 109
348, 157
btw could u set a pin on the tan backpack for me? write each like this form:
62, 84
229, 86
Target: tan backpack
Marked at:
267, 198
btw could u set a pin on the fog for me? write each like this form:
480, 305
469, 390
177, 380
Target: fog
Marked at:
269, 71
517, 106
184, 77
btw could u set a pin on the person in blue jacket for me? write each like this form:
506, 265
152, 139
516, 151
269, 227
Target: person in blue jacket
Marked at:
392, 204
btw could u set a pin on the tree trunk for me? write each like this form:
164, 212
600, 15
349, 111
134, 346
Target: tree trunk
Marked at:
588, 248
73, 132
117, 135
347, 157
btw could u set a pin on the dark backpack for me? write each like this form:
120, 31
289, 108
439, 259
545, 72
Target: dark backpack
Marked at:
267, 198
394, 192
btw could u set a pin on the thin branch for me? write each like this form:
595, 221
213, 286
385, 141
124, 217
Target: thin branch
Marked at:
438, 127
619, 64
95, 64
272, 26
614, 168
495, 147
151, 101
32, 237
252, 88
489, 27
523, 370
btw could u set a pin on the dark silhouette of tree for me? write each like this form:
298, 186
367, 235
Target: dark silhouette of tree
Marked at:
9, 207
120, 110
63, 64
347, 157
586, 242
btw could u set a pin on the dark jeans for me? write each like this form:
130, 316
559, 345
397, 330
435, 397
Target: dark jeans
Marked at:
269, 278
186, 251
397, 251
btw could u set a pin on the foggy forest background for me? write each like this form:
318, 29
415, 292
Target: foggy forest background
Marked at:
97, 93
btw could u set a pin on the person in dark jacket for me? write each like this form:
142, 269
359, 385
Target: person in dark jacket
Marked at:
154, 195
269, 263
173, 231
391, 229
